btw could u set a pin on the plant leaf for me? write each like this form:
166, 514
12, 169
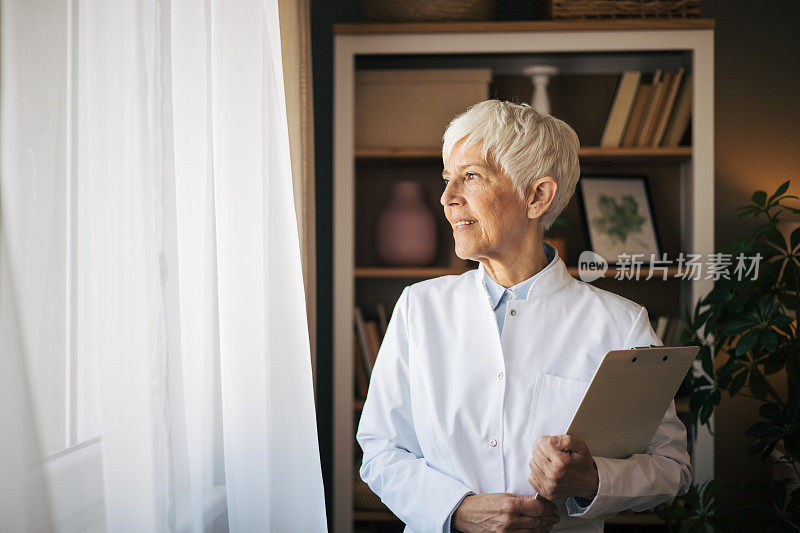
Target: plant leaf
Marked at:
746, 342
776, 238
759, 198
762, 429
736, 326
794, 238
707, 361
773, 363
769, 340
709, 491
705, 412
737, 383
782, 189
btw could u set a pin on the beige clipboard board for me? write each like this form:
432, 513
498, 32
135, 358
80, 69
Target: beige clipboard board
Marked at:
625, 403
628, 397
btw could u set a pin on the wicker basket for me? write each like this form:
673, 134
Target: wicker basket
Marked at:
622, 9
428, 10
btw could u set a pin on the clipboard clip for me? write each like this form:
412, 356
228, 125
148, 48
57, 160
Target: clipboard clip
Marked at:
640, 347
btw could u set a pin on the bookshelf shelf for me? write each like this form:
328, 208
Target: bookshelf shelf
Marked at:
681, 177
526, 26
410, 272
374, 516
619, 519
643, 519
425, 273
680, 153
681, 405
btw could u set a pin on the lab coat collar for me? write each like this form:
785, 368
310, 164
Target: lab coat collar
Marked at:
520, 290
550, 279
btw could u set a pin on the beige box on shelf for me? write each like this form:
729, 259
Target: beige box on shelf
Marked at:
412, 108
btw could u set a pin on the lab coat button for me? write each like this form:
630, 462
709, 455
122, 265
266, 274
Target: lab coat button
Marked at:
513, 312
492, 443
500, 376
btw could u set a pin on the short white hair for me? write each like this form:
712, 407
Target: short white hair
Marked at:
523, 144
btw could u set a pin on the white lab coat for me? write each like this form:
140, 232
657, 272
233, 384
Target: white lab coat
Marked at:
454, 407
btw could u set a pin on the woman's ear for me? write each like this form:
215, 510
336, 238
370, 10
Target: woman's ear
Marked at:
540, 195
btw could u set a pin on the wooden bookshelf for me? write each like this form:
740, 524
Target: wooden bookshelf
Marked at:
681, 178
524, 26
679, 153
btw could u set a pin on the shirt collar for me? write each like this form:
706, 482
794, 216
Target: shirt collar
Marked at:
548, 280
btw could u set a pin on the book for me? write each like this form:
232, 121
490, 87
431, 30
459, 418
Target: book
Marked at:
652, 108
373, 339
363, 340
661, 326
362, 380
639, 108
670, 331
620, 109
666, 109
680, 115
382, 318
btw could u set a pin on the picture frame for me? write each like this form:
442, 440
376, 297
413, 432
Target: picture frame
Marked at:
617, 213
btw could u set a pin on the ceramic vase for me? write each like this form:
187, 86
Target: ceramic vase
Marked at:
406, 231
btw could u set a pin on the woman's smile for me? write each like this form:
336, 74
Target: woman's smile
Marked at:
463, 225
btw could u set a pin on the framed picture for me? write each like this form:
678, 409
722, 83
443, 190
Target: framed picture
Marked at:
618, 217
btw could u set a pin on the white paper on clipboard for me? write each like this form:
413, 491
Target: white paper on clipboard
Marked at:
625, 403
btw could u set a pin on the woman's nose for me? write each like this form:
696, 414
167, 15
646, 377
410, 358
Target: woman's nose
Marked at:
449, 196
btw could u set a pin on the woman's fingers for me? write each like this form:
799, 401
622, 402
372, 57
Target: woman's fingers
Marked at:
539, 523
538, 466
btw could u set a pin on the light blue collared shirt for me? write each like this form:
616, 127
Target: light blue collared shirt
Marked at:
499, 295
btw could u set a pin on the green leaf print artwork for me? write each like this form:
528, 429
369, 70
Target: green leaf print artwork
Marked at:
618, 219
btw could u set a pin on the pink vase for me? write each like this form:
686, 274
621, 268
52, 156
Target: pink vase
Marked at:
406, 232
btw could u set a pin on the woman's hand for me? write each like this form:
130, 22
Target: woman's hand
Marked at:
504, 512
562, 467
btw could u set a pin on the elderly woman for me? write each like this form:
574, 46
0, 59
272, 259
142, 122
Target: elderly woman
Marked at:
479, 375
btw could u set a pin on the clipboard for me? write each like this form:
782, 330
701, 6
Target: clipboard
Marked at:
625, 403
628, 397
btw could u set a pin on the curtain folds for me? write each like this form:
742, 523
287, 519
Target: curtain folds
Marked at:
185, 301
295, 33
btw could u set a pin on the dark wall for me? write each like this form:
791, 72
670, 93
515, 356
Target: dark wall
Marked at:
757, 124
757, 110
757, 146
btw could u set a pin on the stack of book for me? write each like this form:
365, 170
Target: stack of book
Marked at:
649, 109
368, 335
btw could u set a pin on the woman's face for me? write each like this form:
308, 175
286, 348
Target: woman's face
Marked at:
489, 219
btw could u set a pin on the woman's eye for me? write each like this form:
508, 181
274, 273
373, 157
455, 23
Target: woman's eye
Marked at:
471, 175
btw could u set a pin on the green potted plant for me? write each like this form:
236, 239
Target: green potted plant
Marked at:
750, 327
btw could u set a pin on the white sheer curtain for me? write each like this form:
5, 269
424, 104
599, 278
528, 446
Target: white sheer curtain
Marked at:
164, 206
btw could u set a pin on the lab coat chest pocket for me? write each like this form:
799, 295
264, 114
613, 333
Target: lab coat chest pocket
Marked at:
554, 402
